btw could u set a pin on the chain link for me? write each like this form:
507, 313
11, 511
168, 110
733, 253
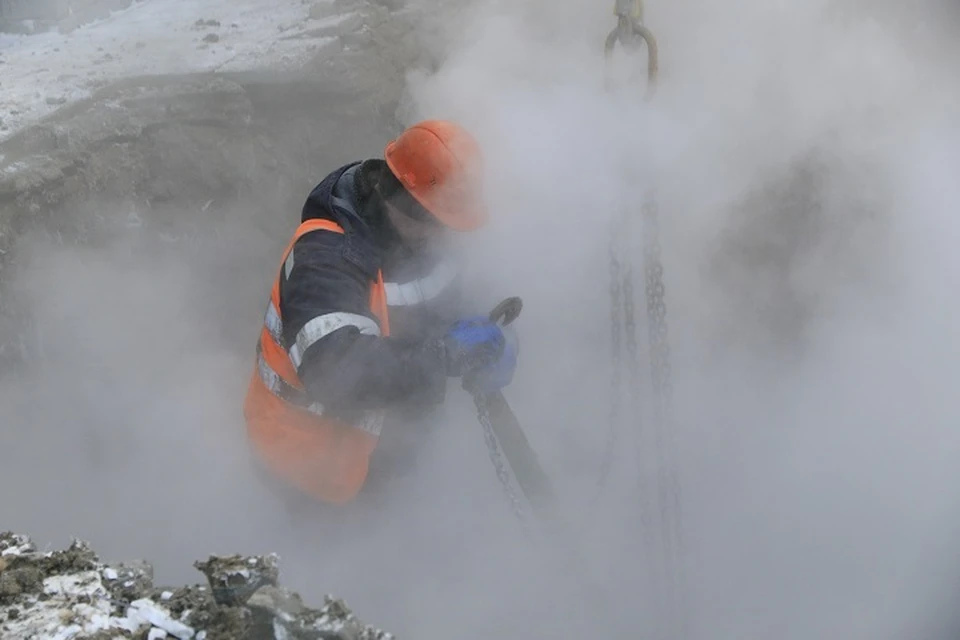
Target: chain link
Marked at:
623, 320
613, 424
636, 396
496, 457
664, 425
631, 34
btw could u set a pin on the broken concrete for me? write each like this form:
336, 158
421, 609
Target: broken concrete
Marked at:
72, 594
235, 578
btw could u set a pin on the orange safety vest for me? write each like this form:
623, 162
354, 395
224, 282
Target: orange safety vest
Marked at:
321, 456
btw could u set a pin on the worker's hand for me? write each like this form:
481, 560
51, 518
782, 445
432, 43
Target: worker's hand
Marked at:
498, 373
478, 350
472, 343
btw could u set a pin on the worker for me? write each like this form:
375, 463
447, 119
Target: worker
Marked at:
362, 322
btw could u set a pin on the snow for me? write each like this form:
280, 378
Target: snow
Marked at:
86, 583
75, 604
279, 631
17, 546
64, 594
78, 604
145, 611
41, 73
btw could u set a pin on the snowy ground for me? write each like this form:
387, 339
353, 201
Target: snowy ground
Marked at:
69, 594
43, 72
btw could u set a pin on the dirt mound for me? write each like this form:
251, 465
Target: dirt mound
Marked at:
71, 593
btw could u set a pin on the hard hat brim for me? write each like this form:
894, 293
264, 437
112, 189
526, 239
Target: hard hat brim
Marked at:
461, 215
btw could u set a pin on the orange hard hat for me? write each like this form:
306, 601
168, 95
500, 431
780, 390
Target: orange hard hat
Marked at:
439, 163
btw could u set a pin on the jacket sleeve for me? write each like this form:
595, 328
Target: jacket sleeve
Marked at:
334, 340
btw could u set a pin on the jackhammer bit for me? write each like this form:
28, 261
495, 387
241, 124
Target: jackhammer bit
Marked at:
499, 421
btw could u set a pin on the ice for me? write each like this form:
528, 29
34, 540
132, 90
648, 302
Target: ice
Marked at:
147, 611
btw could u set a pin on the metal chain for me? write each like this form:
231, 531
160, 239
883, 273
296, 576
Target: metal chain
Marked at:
616, 302
636, 383
660, 375
622, 316
631, 33
655, 566
496, 457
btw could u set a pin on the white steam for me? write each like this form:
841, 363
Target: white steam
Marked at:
803, 155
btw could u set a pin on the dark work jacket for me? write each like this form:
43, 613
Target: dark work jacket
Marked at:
346, 371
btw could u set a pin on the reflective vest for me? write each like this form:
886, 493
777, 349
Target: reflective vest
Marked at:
317, 454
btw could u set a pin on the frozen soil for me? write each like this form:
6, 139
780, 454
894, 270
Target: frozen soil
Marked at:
41, 73
71, 593
182, 162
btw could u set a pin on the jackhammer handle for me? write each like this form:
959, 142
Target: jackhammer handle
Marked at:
507, 311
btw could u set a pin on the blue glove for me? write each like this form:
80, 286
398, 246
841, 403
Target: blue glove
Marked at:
472, 343
478, 350
499, 373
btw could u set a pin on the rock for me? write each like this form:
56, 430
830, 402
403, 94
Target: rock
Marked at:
18, 581
12, 544
270, 606
127, 582
279, 613
234, 579
70, 593
77, 557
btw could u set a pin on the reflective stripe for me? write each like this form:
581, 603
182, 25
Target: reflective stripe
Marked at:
288, 263
269, 377
371, 422
272, 380
273, 323
423, 289
325, 325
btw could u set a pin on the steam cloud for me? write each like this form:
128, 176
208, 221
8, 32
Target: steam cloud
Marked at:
804, 158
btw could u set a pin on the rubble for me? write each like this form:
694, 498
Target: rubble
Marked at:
71, 594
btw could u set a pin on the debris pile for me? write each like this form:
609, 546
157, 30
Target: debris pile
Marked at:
71, 594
